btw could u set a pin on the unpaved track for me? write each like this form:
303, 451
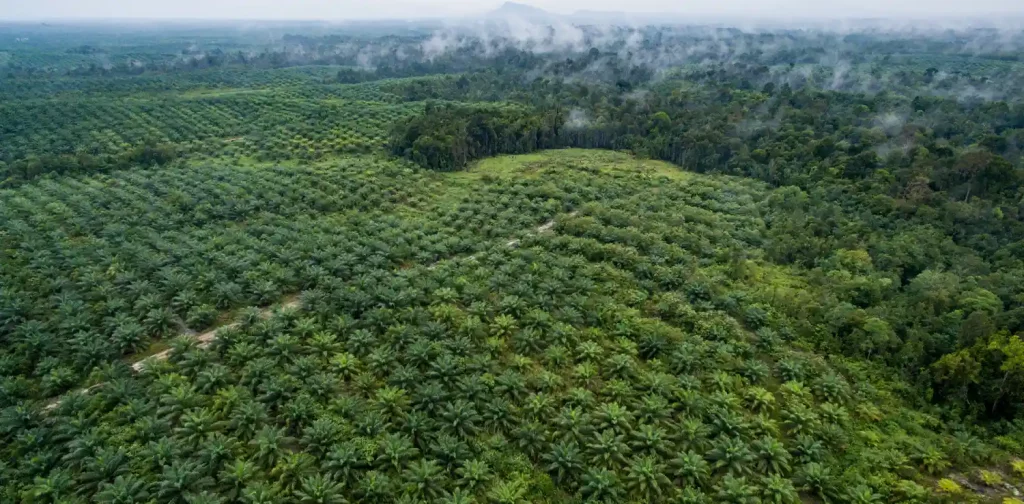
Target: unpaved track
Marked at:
208, 337
543, 228
204, 341
547, 226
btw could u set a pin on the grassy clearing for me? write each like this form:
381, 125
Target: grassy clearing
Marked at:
598, 161
447, 190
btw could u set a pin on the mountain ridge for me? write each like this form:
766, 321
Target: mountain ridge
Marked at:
521, 10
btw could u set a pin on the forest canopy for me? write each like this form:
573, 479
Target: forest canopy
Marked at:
457, 264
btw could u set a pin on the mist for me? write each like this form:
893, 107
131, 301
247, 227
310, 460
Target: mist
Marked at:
642, 11
596, 45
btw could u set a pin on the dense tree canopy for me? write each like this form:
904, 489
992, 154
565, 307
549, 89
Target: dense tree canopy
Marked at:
406, 264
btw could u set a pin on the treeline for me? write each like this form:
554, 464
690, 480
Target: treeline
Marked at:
916, 148
694, 131
448, 136
145, 154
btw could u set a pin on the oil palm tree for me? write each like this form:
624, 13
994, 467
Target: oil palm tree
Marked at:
127, 489
693, 434
269, 446
179, 480
654, 409
759, 400
612, 416
101, 468
450, 450
394, 450
733, 490
473, 474
235, 477
217, 450
343, 461
459, 496
646, 478
651, 440
512, 491
319, 436
530, 437
320, 489
423, 478
262, 492
55, 487
196, 425
607, 450
771, 456
776, 489
818, 480
564, 461
690, 469
572, 424
733, 456
374, 486
601, 485
460, 417
392, 401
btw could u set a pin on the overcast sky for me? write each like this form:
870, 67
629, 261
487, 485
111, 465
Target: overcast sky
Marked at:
378, 9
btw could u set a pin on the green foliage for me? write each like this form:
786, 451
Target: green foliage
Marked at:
219, 286
447, 137
421, 381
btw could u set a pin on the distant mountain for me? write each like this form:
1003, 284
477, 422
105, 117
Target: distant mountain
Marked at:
521, 11
514, 10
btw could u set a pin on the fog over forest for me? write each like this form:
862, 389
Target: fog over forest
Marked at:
428, 252
636, 11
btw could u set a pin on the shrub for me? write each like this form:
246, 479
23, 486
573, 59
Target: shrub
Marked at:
1018, 467
949, 487
990, 478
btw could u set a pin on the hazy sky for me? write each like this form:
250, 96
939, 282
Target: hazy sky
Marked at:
376, 9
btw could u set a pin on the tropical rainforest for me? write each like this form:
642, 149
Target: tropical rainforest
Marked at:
511, 261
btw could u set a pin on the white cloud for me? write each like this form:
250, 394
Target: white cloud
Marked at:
394, 9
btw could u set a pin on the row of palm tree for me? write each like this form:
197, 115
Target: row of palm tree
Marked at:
564, 368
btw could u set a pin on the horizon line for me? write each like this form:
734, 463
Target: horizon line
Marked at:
674, 17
